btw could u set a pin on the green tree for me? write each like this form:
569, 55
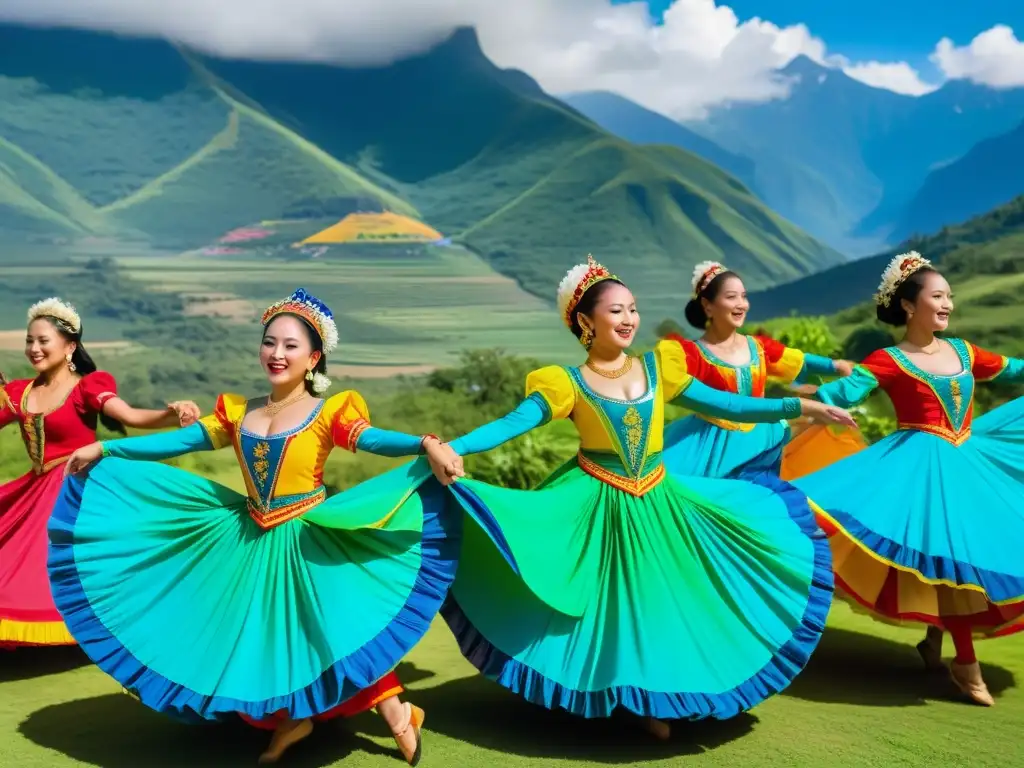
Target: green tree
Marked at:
809, 334
865, 340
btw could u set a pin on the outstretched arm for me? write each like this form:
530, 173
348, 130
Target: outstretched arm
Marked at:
725, 405
988, 366
529, 414
850, 390
7, 413
180, 413
162, 445
385, 442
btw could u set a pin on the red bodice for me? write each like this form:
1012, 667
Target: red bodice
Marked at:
51, 437
940, 405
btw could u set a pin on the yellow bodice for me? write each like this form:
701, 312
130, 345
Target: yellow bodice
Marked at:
620, 440
283, 472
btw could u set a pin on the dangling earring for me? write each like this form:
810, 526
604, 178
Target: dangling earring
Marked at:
309, 375
586, 337
71, 365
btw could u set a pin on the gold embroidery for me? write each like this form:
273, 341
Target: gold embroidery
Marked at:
633, 422
958, 399
33, 431
633, 486
732, 426
261, 466
267, 518
956, 438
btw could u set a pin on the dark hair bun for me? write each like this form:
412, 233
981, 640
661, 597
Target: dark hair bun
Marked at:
894, 314
695, 314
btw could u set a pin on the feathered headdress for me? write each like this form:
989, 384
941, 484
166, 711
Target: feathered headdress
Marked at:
312, 310
899, 269
58, 310
576, 282
703, 274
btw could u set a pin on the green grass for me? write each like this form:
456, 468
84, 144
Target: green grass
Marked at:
863, 701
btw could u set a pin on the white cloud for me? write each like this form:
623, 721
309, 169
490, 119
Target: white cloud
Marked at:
703, 55
994, 58
897, 76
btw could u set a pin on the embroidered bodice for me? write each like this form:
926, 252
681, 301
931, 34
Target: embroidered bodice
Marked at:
923, 401
769, 360
621, 440
51, 437
283, 472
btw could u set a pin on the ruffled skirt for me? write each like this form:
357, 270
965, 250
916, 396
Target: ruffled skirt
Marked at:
174, 591
696, 447
694, 600
925, 531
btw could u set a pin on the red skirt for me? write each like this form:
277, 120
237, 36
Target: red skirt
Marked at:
368, 698
27, 613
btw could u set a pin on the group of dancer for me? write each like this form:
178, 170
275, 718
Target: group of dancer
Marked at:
666, 570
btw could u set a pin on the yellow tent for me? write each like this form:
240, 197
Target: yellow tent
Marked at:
375, 227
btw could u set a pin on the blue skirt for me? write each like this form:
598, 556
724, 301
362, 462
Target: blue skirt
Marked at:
695, 447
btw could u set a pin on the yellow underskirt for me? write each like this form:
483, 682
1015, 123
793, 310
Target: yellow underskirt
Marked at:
35, 633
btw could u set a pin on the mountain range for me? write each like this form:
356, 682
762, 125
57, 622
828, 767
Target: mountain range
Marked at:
856, 166
138, 138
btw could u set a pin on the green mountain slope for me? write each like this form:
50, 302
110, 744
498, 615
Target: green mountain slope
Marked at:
524, 180
982, 258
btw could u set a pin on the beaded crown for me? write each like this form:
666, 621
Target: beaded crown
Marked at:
899, 269
312, 310
576, 283
59, 310
703, 274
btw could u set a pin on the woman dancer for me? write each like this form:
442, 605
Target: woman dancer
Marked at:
616, 585
281, 604
58, 412
723, 358
940, 546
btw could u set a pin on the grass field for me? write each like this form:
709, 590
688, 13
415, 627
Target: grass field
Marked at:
863, 702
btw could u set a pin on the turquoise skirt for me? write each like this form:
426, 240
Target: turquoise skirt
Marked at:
175, 592
951, 515
696, 447
697, 599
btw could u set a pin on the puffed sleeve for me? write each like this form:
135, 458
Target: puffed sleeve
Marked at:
673, 367
554, 386
97, 388
220, 426
790, 365
349, 417
694, 362
989, 366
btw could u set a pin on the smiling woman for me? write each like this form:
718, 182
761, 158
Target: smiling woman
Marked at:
57, 411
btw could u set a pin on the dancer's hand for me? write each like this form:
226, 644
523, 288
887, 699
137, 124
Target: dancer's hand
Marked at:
3, 379
843, 367
186, 411
446, 464
829, 414
83, 458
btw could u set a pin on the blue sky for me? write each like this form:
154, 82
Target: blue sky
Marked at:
910, 30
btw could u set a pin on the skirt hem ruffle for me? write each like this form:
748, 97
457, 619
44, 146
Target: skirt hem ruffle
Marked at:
344, 679
787, 662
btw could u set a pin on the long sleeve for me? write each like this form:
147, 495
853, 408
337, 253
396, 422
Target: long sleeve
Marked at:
161, 445
384, 442
989, 366
725, 405
815, 365
529, 414
850, 390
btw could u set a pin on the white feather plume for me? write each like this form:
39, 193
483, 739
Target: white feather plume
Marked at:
320, 383
568, 286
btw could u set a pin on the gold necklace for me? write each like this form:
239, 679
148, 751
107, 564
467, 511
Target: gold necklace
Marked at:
617, 373
273, 408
